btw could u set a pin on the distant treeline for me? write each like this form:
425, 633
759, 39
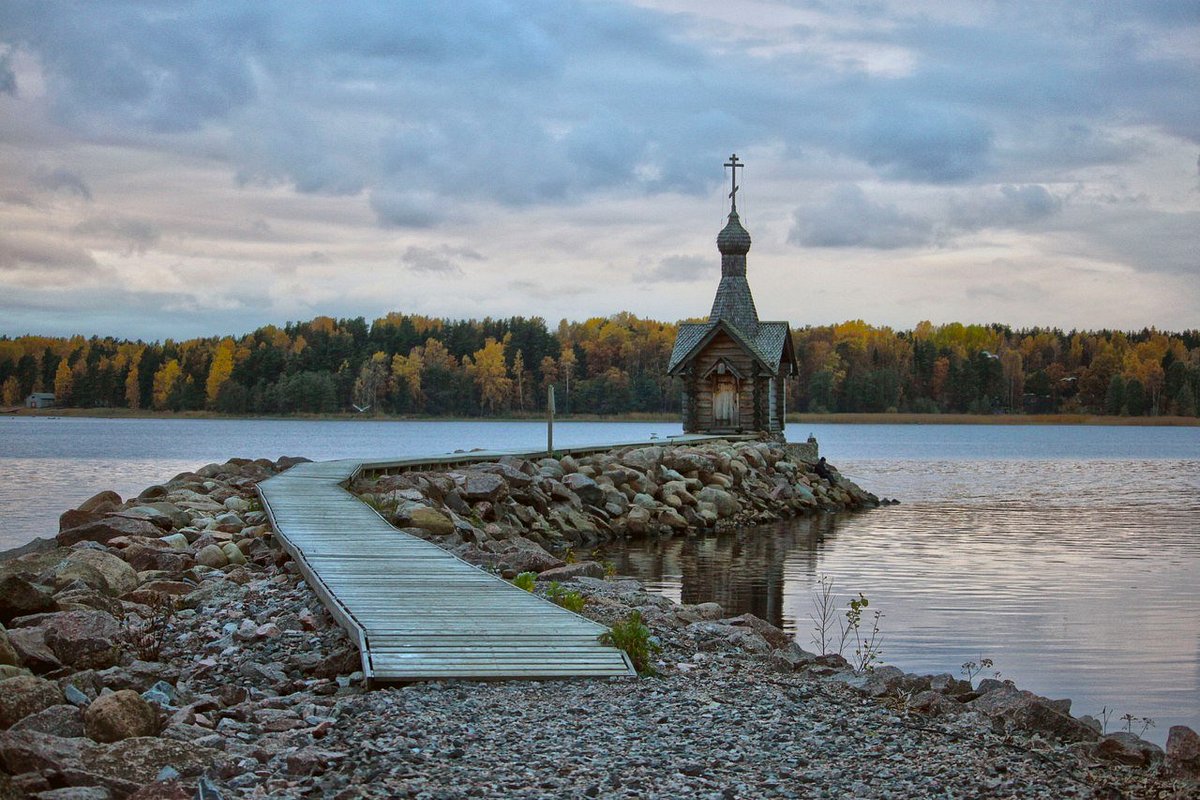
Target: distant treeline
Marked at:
406, 364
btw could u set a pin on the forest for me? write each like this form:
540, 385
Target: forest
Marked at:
411, 365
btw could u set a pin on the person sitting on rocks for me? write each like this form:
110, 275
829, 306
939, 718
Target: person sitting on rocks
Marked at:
824, 470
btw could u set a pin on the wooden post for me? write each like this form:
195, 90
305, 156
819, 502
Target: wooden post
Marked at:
550, 421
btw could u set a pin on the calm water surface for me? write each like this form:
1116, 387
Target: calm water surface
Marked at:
1068, 555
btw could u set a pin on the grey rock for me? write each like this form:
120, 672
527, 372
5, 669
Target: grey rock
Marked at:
25, 695
585, 488
58, 720
1183, 752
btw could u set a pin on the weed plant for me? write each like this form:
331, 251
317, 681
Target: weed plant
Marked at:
632, 636
571, 601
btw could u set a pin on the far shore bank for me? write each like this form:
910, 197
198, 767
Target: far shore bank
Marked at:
793, 418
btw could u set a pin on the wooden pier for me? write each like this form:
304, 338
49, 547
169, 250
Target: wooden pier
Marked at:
418, 611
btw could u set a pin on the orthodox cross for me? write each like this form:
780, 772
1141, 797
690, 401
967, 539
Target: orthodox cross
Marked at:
733, 163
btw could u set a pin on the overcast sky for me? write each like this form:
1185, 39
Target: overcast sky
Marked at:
181, 169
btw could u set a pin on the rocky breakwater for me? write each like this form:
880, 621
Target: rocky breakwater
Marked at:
520, 515
159, 640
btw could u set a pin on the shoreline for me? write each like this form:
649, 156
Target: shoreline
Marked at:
794, 418
248, 685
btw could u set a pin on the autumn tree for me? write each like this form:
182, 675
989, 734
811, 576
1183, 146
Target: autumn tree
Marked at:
64, 382
491, 374
11, 391
166, 381
219, 371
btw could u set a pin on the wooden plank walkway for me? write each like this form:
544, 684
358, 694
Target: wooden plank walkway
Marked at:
416, 610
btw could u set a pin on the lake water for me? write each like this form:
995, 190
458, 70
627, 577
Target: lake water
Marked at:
1068, 555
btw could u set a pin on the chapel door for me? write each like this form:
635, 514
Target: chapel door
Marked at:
725, 405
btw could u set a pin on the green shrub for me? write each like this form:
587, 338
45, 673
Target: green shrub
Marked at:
525, 581
571, 601
632, 636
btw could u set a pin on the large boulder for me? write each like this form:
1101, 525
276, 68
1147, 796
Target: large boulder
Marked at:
1183, 752
98, 569
484, 486
1128, 748
428, 519
643, 458
32, 650
584, 569
727, 505
84, 639
146, 555
141, 759
25, 695
20, 597
584, 488
1041, 716
101, 502
7, 654
211, 556
30, 751
120, 715
63, 720
108, 527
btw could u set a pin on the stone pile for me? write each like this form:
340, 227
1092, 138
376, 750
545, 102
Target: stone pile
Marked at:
518, 514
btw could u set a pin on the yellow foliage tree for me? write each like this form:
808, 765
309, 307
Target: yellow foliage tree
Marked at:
491, 374
64, 382
406, 370
165, 381
133, 387
220, 370
11, 391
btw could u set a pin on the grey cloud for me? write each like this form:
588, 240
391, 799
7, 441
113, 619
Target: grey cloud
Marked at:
398, 209
137, 235
36, 254
1010, 207
1146, 240
425, 105
678, 269
443, 260
541, 291
62, 180
8, 79
850, 219
925, 144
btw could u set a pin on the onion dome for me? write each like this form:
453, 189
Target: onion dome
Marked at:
733, 240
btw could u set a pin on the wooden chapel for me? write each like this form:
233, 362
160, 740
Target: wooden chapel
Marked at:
734, 366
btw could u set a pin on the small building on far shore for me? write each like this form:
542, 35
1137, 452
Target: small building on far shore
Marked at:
40, 400
734, 366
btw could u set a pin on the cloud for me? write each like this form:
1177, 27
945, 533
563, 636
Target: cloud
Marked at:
8, 79
441, 261
577, 127
137, 235
1008, 207
62, 180
850, 219
924, 143
44, 255
678, 269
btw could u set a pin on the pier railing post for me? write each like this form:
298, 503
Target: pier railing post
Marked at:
550, 421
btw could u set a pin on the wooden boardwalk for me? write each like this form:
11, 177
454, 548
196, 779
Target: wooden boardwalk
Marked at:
416, 610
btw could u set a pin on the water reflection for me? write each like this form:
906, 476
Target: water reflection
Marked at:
1077, 579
